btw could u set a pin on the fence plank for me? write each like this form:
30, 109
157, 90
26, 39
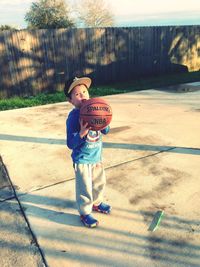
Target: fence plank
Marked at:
42, 60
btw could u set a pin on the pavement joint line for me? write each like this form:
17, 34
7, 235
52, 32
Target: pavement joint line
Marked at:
24, 215
132, 160
107, 168
46, 186
7, 199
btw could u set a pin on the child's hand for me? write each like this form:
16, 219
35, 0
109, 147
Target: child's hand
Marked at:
84, 129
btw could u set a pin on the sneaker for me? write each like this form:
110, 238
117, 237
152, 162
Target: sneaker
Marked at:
103, 208
89, 221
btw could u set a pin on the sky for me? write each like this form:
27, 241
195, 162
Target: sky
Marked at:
126, 12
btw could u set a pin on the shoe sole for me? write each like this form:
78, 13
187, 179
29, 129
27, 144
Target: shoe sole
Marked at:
90, 225
104, 212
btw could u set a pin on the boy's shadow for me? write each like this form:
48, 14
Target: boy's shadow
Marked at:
55, 211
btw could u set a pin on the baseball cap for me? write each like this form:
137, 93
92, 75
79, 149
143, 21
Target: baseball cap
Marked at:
70, 84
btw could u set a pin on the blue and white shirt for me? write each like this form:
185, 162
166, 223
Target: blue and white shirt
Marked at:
87, 149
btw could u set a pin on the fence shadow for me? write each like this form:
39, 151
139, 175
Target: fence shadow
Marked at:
65, 229
142, 147
61, 225
55, 220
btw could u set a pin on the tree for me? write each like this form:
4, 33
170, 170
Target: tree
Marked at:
7, 28
46, 14
94, 13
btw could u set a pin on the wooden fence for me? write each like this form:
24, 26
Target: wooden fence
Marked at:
42, 60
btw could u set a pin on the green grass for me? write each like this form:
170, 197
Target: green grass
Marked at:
40, 99
115, 88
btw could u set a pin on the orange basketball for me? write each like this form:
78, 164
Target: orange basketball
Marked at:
97, 113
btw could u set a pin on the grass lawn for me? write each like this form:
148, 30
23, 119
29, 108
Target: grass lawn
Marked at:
117, 88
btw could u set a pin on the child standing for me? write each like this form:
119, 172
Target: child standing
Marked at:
86, 155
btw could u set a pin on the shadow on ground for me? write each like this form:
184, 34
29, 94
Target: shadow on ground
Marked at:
143, 147
158, 245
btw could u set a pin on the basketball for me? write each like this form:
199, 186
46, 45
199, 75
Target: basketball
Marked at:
97, 113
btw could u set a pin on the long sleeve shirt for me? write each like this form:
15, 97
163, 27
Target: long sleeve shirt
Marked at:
87, 149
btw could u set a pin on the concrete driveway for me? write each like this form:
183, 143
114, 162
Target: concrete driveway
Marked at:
152, 160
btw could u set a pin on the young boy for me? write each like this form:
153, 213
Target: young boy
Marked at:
86, 148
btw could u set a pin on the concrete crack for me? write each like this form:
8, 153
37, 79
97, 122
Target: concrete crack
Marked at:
34, 239
132, 160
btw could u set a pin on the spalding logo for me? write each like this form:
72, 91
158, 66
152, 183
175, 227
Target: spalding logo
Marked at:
93, 108
98, 121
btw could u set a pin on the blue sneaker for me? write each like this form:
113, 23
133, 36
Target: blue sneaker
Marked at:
103, 208
89, 221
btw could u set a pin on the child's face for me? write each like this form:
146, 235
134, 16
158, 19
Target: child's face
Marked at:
78, 95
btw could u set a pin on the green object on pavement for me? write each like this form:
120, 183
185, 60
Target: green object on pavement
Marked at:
156, 220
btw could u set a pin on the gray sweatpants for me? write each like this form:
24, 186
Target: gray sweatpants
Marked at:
90, 185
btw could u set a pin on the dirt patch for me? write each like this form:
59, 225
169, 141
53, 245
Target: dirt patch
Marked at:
119, 129
54, 108
168, 177
158, 181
